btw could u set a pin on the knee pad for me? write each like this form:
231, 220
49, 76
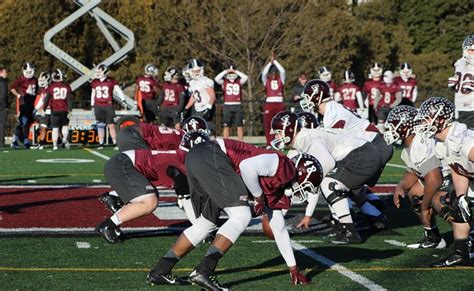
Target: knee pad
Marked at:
101, 125
239, 218
333, 190
445, 214
199, 231
415, 203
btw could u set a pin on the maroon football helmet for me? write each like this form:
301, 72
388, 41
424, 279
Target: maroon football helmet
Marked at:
284, 126
314, 93
400, 124
309, 176
308, 120
434, 115
195, 123
193, 138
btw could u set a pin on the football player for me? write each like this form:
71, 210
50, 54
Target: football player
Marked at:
58, 97
103, 87
408, 84
390, 97
134, 175
171, 99
146, 92
325, 74
463, 83
423, 180
24, 88
354, 162
436, 116
202, 92
349, 94
44, 80
231, 81
371, 90
273, 79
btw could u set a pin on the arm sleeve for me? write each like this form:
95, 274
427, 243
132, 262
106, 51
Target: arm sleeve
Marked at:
252, 168
265, 71
312, 202
281, 70
92, 97
337, 97
46, 101
360, 100
415, 94
243, 77
219, 78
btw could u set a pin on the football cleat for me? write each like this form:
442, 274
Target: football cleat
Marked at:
100, 147
55, 148
335, 228
298, 278
110, 233
15, 145
428, 243
66, 144
378, 222
207, 282
165, 279
347, 235
37, 147
453, 260
114, 203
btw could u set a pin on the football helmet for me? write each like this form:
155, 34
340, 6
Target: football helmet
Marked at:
171, 73
195, 123
400, 124
192, 138
434, 115
405, 71
44, 79
348, 77
151, 70
196, 69
101, 71
314, 93
325, 74
284, 126
57, 75
376, 70
28, 70
467, 45
308, 120
388, 77
309, 176
185, 73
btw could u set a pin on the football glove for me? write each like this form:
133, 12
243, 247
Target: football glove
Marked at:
259, 206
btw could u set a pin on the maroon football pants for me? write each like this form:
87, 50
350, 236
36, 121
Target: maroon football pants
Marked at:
270, 109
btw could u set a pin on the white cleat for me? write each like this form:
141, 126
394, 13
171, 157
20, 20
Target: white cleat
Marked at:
55, 148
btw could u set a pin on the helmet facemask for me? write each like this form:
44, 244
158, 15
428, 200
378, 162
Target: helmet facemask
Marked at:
391, 134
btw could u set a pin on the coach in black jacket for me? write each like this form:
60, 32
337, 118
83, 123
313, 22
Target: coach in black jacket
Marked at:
3, 103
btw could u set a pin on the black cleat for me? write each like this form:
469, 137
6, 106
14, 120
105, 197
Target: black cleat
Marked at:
110, 233
206, 282
429, 243
347, 235
378, 222
454, 260
114, 203
165, 279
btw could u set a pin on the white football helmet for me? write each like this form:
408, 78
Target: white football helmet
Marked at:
44, 79
405, 71
101, 71
57, 75
467, 45
28, 70
171, 73
376, 70
388, 77
196, 69
151, 70
325, 74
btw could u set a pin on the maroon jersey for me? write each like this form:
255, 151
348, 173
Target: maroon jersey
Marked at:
274, 89
171, 94
348, 94
407, 87
58, 94
40, 99
146, 85
273, 187
25, 86
103, 91
153, 165
232, 91
369, 89
387, 94
160, 137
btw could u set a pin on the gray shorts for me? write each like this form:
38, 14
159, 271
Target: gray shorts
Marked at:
386, 153
233, 115
125, 179
213, 182
104, 114
59, 119
129, 138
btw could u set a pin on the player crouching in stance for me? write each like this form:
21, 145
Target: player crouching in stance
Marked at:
456, 147
423, 179
213, 175
134, 175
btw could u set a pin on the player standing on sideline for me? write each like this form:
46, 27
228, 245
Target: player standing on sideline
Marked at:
171, 98
146, 92
390, 97
58, 97
408, 84
297, 90
463, 83
103, 87
349, 94
371, 90
231, 81
24, 88
4, 103
273, 79
325, 74
44, 80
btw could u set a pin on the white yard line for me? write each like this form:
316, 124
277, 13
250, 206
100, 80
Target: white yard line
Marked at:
96, 153
395, 243
84, 230
339, 268
397, 166
83, 245
299, 241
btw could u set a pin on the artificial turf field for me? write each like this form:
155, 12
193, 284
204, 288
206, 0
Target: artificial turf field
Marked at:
76, 259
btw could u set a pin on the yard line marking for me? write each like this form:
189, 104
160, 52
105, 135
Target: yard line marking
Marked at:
31, 181
96, 153
339, 268
300, 241
96, 181
83, 245
395, 243
396, 166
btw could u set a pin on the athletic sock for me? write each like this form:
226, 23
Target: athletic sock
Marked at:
166, 263
209, 262
461, 247
116, 219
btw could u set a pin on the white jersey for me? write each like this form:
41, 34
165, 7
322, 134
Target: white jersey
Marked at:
463, 98
338, 116
420, 157
198, 89
455, 149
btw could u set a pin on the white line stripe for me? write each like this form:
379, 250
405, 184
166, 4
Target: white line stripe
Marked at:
79, 230
396, 166
97, 154
83, 245
395, 243
339, 268
299, 241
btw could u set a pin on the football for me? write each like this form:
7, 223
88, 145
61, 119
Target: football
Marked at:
267, 230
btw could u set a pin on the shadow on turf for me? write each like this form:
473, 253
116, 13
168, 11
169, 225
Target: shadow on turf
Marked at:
16, 208
17, 191
33, 178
